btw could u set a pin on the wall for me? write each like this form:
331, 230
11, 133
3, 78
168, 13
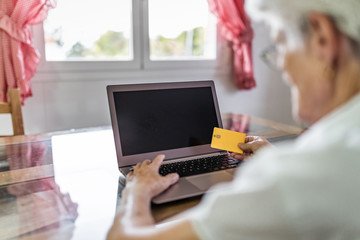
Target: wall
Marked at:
74, 100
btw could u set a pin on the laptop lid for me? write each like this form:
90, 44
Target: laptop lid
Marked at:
175, 119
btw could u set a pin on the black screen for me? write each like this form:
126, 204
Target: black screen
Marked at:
158, 120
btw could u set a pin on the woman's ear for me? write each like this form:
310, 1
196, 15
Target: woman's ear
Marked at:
324, 37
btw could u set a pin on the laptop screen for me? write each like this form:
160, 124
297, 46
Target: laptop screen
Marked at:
164, 119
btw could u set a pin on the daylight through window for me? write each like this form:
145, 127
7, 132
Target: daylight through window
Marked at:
82, 30
181, 30
168, 30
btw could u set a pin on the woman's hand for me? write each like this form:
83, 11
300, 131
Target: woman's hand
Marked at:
252, 145
146, 180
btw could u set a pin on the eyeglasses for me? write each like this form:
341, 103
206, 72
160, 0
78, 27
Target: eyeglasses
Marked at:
271, 56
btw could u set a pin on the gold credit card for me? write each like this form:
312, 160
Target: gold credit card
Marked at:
227, 140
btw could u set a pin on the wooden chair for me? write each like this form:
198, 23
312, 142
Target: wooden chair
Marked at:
13, 107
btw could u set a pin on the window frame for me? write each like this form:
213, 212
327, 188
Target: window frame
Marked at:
141, 51
160, 64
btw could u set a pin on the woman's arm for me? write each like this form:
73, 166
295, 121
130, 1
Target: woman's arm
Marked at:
134, 219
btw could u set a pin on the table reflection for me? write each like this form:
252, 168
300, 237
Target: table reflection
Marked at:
31, 202
237, 122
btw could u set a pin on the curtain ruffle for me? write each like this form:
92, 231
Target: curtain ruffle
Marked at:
18, 58
235, 26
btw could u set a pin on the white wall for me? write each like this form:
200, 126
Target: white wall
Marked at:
78, 100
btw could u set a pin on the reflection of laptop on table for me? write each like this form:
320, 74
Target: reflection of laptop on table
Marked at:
175, 119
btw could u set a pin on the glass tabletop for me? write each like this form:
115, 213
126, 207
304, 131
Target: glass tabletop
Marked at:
65, 186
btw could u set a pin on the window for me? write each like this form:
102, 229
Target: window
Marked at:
129, 34
81, 30
189, 32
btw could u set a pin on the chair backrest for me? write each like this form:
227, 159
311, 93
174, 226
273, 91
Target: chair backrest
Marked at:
13, 107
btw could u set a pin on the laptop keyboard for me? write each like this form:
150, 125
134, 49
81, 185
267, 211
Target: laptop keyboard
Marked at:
198, 166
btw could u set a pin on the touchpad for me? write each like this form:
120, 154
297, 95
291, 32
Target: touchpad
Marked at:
205, 181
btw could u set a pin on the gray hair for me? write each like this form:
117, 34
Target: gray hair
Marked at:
290, 15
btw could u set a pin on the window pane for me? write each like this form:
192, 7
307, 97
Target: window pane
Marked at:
181, 30
82, 30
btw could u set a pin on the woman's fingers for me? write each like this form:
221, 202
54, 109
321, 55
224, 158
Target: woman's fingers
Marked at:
240, 157
156, 163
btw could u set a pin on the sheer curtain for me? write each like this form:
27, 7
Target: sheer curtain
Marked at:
235, 27
18, 58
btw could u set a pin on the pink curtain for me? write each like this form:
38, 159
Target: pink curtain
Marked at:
235, 27
18, 58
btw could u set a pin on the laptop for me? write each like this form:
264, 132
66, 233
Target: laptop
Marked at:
176, 119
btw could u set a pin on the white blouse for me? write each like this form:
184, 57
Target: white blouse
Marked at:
308, 189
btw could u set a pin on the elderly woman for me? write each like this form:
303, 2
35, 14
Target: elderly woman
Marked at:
308, 189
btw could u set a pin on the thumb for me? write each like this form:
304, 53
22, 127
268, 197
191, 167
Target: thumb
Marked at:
172, 178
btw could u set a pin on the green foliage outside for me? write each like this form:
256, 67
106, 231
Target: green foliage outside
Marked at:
198, 46
167, 47
78, 50
114, 44
110, 44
